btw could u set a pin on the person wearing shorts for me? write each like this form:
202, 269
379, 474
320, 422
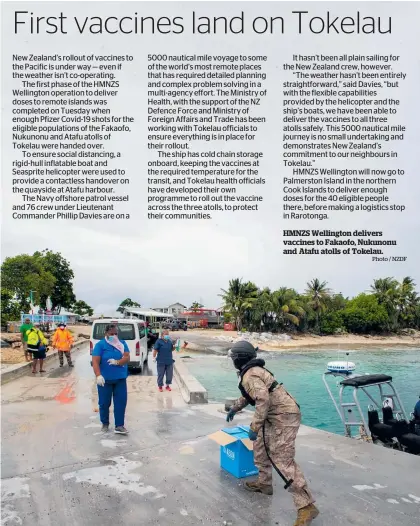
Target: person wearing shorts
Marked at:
24, 328
37, 345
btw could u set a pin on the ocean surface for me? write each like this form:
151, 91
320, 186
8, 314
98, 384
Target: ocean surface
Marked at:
301, 373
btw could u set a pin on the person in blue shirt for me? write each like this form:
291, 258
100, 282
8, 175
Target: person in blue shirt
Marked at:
417, 412
109, 360
162, 351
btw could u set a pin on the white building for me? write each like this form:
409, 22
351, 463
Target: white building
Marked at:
175, 309
150, 315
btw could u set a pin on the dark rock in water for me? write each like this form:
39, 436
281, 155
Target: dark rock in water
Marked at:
218, 350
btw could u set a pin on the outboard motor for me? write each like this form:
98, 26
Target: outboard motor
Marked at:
388, 415
373, 418
400, 427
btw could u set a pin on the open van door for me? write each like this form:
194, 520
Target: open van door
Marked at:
142, 343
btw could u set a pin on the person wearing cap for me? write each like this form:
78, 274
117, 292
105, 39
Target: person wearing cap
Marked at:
37, 345
63, 342
273, 429
24, 328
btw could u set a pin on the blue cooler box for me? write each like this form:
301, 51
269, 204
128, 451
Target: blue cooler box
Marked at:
236, 451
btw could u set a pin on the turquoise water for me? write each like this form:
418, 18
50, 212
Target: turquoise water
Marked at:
301, 373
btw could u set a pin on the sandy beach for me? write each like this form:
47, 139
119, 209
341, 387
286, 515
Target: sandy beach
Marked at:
297, 342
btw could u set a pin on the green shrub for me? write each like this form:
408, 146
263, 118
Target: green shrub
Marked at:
363, 314
331, 323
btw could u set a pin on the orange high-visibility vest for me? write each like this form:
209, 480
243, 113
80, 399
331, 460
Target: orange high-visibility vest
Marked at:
62, 340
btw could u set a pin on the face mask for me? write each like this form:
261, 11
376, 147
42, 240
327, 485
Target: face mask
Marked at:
166, 337
111, 338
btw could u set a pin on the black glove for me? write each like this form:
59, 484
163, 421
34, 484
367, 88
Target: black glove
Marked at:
230, 415
252, 435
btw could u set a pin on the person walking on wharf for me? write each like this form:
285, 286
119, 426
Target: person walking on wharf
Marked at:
24, 328
63, 342
110, 359
162, 351
37, 345
273, 429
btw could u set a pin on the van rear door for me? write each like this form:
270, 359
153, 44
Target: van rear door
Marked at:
126, 331
143, 341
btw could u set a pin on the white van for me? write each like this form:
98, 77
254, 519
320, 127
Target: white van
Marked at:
133, 332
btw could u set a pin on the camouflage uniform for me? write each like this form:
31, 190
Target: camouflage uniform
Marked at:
281, 415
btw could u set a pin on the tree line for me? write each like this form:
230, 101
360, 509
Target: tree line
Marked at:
35, 278
389, 306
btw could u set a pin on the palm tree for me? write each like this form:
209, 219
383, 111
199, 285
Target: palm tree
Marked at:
318, 295
196, 306
238, 299
412, 309
287, 307
384, 289
261, 314
408, 283
408, 302
387, 291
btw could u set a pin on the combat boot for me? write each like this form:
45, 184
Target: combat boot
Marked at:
306, 515
257, 487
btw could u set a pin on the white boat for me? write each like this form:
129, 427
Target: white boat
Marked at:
394, 430
343, 367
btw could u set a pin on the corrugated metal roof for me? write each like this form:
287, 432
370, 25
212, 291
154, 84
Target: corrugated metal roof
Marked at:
147, 312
